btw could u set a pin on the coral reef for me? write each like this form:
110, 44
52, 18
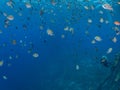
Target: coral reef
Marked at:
112, 82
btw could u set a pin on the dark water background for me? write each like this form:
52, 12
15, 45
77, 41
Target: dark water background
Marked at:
55, 68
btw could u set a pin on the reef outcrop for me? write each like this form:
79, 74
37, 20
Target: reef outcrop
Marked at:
112, 82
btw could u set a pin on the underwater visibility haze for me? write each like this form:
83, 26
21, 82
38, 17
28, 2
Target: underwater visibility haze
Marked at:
60, 45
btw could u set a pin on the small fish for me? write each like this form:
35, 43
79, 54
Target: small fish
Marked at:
114, 39
104, 61
50, 32
109, 50
10, 17
77, 67
117, 23
1, 63
107, 6
35, 55
101, 20
98, 38
93, 41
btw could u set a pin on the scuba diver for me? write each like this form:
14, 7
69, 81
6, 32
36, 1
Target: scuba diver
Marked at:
104, 61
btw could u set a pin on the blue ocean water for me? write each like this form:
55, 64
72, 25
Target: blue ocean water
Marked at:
59, 44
